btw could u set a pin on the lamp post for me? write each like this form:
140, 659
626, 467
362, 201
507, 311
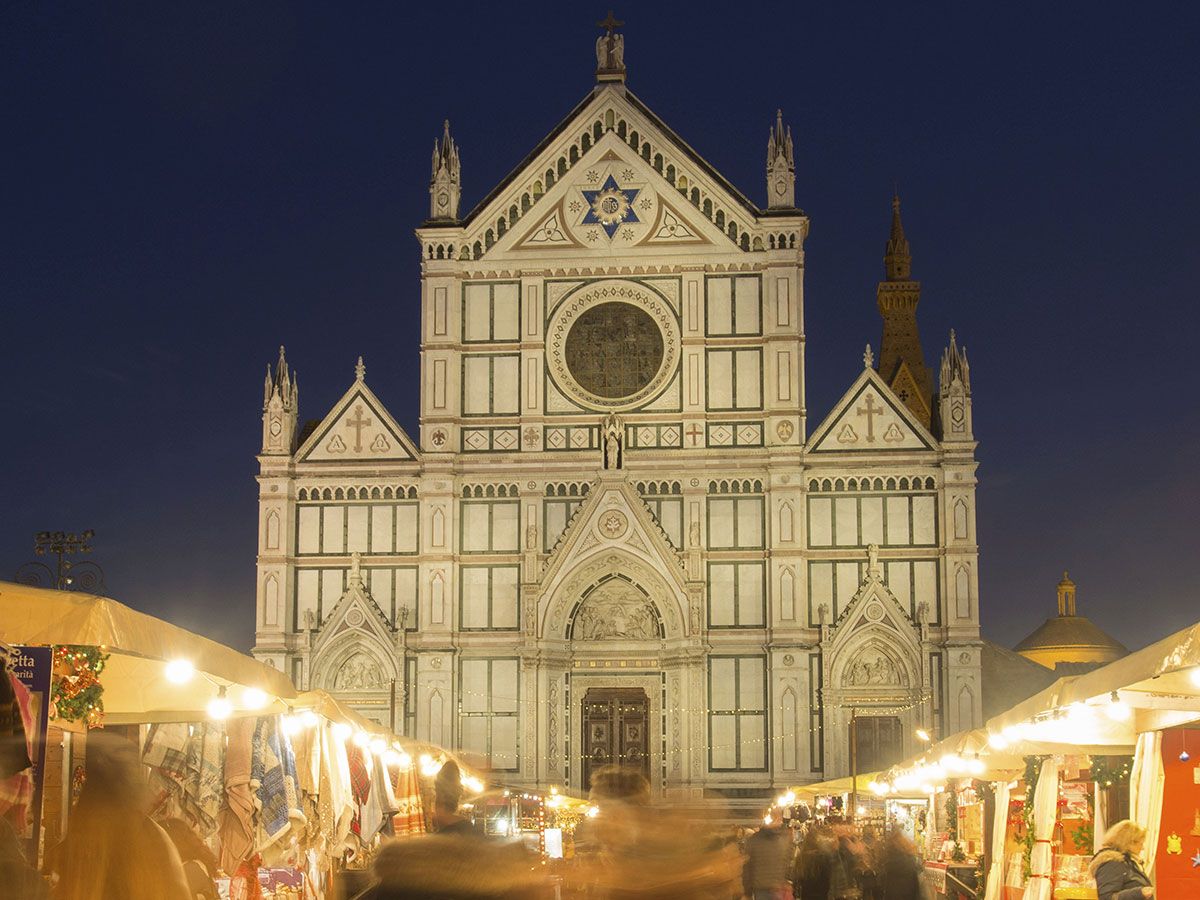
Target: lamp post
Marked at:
66, 575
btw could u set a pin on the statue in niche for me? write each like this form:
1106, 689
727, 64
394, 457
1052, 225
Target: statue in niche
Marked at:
617, 612
358, 673
694, 533
870, 669
531, 536
611, 431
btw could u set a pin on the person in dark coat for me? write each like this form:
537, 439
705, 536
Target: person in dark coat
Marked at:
810, 878
1117, 866
768, 862
898, 870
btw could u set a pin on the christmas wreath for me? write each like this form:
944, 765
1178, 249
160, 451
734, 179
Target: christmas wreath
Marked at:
76, 694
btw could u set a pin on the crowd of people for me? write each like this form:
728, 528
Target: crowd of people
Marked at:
630, 850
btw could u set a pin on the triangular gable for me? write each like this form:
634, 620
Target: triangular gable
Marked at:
612, 201
527, 193
870, 417
355, 611
873, 644
358, 427
904, 386
614, 515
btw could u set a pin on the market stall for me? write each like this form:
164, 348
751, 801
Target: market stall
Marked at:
286, 788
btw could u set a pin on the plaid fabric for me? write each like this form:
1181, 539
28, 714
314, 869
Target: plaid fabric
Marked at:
360, 784
166, 749
273, 776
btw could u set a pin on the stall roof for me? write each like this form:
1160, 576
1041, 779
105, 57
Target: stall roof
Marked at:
135, 685
835, 786
1160, 686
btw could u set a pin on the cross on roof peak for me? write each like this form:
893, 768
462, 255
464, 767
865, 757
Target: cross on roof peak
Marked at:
610, 23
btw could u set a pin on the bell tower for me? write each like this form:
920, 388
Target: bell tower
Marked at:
445, 185
901, 360
781, 167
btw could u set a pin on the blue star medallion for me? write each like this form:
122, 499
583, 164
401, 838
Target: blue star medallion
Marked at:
610, 207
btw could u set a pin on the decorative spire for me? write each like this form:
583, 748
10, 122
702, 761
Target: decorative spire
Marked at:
781, 166
897, 260
360, 370
954, 366
281, 401
610, 51
868, 358
445, 184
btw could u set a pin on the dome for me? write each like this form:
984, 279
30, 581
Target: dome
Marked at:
1068, 637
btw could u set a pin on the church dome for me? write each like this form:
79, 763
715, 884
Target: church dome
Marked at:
1069, 637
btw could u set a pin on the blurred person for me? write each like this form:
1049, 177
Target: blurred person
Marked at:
199, 862
447, 797
630, 851
1117, 865
20, 880
814, 862
899, 871
113, 849
768, 862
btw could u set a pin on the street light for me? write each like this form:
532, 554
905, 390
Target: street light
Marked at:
66, 575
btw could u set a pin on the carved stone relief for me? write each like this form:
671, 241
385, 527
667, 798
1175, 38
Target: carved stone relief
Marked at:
871, 667
358, 673
616, 611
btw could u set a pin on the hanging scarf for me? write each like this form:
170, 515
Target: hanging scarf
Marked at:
273, 776
410, 815
235, 820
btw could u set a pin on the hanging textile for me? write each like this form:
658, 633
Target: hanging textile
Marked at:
235, 820
360, 785
995, 878
335, 802
14, 739
410, 814
16, 791
1146, 780
273, 776
1045, 813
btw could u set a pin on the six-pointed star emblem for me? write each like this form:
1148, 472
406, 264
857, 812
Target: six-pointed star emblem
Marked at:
610, 206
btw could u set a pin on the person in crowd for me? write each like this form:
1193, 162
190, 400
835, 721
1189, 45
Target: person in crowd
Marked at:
897, 869
811, 875
768, 862
113, 848
18, 879
1117, 866
846, 866
447, 797
199, 862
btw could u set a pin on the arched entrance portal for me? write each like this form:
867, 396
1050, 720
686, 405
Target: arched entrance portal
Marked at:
616, 731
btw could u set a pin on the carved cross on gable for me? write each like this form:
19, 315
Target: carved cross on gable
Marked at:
870, 411
358, 423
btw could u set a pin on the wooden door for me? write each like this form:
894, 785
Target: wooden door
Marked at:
879, 742
615, 730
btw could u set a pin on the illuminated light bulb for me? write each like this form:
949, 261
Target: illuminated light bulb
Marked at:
502, 826
361, 739
404, 761
290, 724
998, 741
378, 745
861, 811
976, 766
342, 731
179, 671
593, 811
923, 735
1010, 733
767, 820
308, 718
255, 698
219, 707
1118, 710
1184, 756
390, 757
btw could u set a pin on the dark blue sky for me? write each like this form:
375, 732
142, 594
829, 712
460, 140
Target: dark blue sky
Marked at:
186, 186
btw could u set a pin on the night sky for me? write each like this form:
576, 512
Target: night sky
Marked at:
186, 186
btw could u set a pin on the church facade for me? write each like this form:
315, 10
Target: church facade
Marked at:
617, 536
